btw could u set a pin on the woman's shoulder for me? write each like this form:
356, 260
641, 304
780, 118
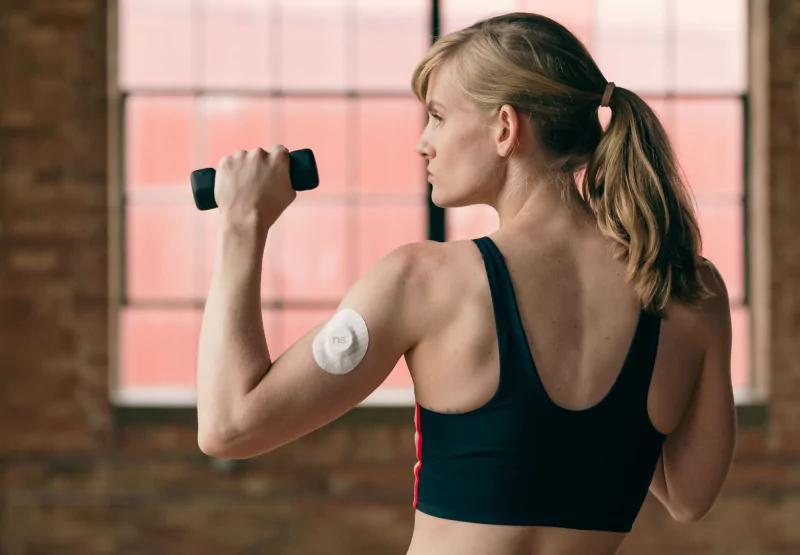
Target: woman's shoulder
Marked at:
709, 320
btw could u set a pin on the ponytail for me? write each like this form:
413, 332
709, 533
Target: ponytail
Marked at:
633, 185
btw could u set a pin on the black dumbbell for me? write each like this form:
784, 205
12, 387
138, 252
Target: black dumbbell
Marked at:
302, 172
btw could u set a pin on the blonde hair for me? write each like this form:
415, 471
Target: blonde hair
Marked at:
632, 182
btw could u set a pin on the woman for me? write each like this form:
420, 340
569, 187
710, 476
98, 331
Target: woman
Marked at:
562, 366
611, 373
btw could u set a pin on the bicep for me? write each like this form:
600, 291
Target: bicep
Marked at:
296, 396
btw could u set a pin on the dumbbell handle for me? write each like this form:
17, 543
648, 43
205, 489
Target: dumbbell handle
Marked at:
302, 172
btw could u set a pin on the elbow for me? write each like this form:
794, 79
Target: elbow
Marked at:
691, 513
216, 440
213, 446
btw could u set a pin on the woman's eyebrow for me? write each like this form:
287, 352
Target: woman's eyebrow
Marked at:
433, 105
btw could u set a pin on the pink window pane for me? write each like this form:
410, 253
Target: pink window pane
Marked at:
740, 347
323, 126
208, 252
226, 124
399, 377
711, 43
314, 44
663, 110
575, 15
471, 222
385, 227
236, 43
159, 142
630, 43
273, 331
158, 347
392, 36
295, 324
708, 139
388, 132
458, 14
162, 242
721, 226
155, 43
310, 260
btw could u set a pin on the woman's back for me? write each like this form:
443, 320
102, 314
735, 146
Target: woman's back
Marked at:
579, 316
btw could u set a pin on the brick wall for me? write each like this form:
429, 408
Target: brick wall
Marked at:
80, 477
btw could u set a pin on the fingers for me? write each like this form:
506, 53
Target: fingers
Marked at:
258, 153
277, 154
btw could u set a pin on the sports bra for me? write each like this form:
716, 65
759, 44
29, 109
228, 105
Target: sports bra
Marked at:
522, 460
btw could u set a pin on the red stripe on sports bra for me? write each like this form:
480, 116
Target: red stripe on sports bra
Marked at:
418, 465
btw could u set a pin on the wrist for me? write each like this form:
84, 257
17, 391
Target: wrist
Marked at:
241, 236
250, 223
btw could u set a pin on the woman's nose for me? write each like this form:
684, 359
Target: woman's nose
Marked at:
423, 148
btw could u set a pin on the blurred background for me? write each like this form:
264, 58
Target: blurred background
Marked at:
107, 107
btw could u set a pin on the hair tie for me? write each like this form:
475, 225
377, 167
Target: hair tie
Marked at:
607, 94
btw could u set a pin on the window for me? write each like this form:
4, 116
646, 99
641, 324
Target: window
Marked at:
198, 79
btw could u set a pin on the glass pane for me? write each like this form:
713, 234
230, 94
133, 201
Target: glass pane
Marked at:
721, 227
663, 110
740, 348
383, 228
155, 43
708, 139
457, 14
159, 347
229, 123
392, 37
314, 45
208, 252
296, 323
236, 43
159, 143
575, 15
388, 132
399, 377
273, 324
161, 246
316, 269
631, 42
322, 126
711, 45
471, 222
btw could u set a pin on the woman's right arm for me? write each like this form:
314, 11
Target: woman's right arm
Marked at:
697, 456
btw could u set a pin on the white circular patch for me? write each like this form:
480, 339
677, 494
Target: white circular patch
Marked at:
342, 343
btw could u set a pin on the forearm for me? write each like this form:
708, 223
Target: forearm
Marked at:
233, 354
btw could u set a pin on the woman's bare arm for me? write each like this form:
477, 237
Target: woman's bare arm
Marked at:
696, 457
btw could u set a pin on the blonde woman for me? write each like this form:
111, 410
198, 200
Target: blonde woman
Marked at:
562, 366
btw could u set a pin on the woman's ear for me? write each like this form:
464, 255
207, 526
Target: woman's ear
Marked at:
508, 131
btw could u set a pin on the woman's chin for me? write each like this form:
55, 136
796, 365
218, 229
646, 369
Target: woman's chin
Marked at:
443, 200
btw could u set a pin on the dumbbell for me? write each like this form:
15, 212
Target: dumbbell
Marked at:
302, 172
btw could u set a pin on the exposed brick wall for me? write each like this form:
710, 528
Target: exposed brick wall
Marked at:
784, 208
77, 480
53, 229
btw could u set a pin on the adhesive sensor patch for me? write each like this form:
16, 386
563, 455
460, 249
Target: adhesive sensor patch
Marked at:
342, 343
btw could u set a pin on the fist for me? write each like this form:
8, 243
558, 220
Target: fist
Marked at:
254, 185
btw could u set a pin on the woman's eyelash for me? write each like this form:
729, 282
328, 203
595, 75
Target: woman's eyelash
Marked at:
437, 118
